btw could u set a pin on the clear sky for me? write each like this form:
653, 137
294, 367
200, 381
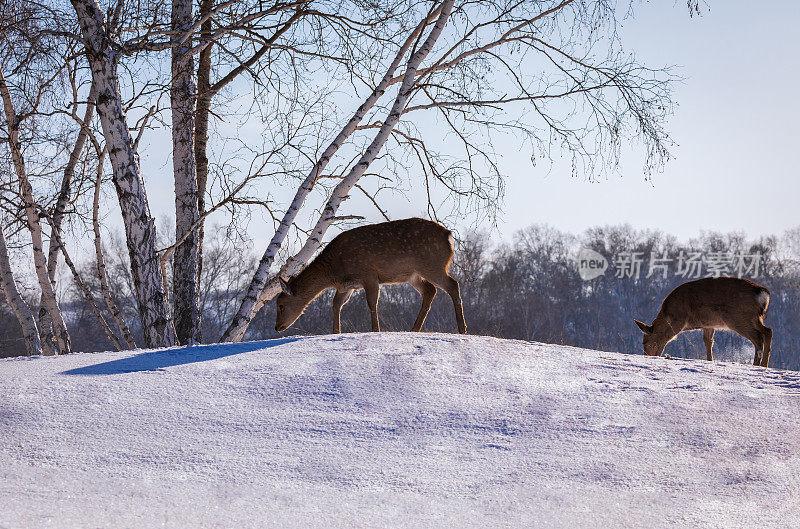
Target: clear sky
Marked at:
736, 134
736, 128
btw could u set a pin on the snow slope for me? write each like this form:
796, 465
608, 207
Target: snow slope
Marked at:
396, 430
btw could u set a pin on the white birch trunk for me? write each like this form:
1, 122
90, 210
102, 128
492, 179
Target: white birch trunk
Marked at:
45, 325
260, 290
101, 262
185, 269
139, 226
21, 309
34, 224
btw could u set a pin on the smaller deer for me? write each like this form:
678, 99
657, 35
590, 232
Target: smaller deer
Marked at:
414, 251
725, 303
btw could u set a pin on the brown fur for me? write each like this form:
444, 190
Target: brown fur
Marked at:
414, 251
727, 303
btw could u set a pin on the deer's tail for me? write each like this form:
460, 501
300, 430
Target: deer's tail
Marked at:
763, 300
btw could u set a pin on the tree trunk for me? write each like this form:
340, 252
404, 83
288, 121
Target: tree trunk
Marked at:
202, 115
185, 281
259, 289
101, 263
21, 309
140, 229
34, 224
45, 324
205, 95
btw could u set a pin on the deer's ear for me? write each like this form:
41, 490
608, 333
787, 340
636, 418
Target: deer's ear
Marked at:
647, 329
285, 287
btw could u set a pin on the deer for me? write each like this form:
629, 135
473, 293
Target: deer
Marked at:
711, 304
414, 251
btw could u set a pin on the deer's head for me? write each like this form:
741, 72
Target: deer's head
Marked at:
655, 339
289, 306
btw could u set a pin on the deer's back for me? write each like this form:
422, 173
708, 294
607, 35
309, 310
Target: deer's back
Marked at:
391, 251
716, 302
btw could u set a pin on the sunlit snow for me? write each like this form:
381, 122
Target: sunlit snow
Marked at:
396, 430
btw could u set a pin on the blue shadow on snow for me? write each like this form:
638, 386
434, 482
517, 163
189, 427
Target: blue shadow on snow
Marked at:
154, 360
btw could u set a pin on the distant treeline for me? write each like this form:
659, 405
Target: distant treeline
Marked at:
528, 289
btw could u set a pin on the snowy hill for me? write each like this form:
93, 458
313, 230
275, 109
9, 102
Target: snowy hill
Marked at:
394, 430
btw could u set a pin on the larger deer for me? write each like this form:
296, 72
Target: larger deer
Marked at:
414, 251
712, 303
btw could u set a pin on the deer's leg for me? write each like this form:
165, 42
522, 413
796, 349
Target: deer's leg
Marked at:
757, 357
708, 339
766, 335
428, 291
754, 335
450, 285
372, 290
339, 301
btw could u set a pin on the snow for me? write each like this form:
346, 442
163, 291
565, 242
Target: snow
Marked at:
396, 430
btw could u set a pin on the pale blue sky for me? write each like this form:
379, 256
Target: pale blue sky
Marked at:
736, 134
736, 130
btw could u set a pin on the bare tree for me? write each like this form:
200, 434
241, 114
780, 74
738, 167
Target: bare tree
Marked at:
229, 27
101, 262
185, 270
21, 309
248, 38
38, 66
478, 71
253, 296
64, 197
33, 221
191, 111
103, 55
551, 72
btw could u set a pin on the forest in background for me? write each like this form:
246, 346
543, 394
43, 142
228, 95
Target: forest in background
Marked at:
527, 289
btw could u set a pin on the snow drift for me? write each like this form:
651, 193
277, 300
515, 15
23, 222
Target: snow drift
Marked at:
395, 429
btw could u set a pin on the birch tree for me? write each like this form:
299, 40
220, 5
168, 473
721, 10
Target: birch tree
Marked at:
185, 270
583, 95
250, 305
100, 261
21, 309
217, 26
33, 221
245, 39
191, 111
62, 200
103, 55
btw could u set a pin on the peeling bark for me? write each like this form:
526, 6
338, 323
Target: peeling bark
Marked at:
139, 225
185, 280
21, 309
34, 224
259, 289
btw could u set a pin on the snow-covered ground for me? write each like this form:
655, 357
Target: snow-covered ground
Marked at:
395, 430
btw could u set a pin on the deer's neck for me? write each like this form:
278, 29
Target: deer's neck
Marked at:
666, 327
312, 281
